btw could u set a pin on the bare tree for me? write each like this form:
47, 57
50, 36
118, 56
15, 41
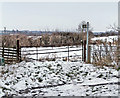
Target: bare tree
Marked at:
81, 29
115, 28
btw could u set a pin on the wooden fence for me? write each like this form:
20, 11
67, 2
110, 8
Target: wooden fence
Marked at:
11, 54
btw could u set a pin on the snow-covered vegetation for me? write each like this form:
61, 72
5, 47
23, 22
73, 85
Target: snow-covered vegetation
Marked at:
105, 51
57, 78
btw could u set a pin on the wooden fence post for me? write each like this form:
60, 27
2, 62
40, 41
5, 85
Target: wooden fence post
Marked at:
100, 52
20, 59
17, 48
84, 50
89, 55
68, 53
106, 49
8, 56
93, 54
36, 53
2, 49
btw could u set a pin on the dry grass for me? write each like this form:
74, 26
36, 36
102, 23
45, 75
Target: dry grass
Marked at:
44, 39
106, 56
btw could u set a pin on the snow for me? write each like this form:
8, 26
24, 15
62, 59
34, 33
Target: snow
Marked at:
108, 39
68, 79
78, 90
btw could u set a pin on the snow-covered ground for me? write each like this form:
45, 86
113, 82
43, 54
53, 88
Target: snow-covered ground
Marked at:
58, 78
108, 39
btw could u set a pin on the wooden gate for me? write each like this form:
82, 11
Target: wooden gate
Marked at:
11, 54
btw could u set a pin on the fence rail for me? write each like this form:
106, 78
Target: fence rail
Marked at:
54, 45
46, 49
51, 52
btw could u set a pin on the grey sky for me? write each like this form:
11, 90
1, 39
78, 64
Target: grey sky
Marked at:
119, 15
62, 15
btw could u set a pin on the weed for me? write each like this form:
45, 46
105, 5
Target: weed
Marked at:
40, 79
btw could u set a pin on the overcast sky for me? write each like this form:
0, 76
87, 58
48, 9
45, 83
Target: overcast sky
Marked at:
59, 15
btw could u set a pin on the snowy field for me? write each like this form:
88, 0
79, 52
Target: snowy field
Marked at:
75, 52
108, 39
58, 78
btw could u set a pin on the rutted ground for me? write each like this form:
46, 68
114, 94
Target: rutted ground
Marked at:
58, 78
